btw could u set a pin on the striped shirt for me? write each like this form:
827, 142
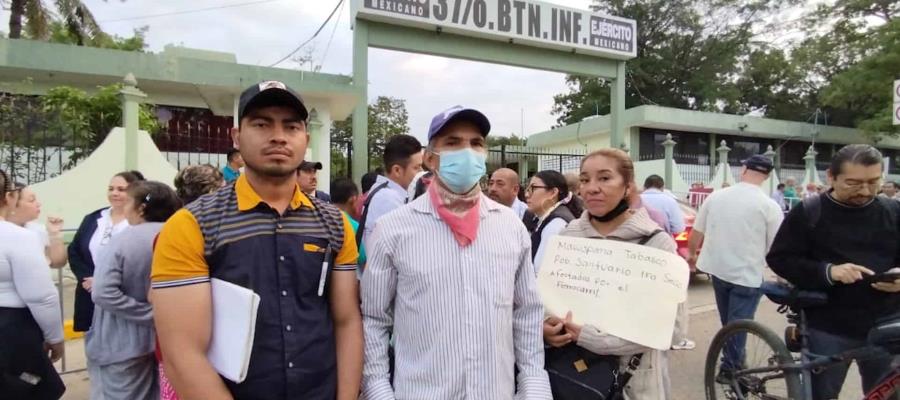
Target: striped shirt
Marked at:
461, 317
235, 236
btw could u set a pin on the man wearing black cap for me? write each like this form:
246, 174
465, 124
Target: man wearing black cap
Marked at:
450, 276
308, 179
262, 233
736, 227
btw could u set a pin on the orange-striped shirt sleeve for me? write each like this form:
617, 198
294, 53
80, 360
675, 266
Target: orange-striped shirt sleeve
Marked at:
178, 258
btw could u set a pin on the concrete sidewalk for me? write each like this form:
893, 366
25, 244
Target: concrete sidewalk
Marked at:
78, 385
685, 367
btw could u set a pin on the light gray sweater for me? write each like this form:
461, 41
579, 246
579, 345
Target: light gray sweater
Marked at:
651, 379
122, 328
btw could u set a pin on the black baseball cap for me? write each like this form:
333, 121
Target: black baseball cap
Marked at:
310, 165
270, 93
759, 163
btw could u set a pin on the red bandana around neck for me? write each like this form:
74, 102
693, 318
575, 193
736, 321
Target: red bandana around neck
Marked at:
459, 212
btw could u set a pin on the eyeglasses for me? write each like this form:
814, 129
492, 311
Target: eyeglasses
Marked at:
856, 185
531, 188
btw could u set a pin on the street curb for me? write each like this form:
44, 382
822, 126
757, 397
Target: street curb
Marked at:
702, 309
69, 332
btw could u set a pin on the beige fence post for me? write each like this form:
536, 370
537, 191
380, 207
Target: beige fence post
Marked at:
131, 105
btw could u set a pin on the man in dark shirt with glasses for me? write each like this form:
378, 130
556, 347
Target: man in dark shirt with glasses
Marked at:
836, 243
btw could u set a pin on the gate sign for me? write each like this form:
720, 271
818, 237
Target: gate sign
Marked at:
530, 22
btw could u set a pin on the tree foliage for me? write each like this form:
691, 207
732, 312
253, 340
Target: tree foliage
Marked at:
387, 117
88, 118
511, 140
716, 55
860, 86
72, 23
137, 42
61, 128
36, 18
688, 52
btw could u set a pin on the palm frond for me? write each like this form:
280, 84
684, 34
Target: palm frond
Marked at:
37, 20
79, 20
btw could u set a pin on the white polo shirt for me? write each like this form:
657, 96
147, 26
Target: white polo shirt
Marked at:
739, 224
519, 207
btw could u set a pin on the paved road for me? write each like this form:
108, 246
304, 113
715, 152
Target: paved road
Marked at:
686, 367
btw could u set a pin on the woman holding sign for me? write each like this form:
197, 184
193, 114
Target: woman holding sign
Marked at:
607, 188
549, 198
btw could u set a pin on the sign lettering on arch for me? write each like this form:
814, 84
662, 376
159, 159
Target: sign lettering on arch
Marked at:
624, 289
528, 22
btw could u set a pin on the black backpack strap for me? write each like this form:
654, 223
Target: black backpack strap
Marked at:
647, 238
333, 221
365, 214
892, 206
812, 209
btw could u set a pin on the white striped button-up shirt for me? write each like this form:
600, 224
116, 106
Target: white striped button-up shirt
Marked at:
461, 317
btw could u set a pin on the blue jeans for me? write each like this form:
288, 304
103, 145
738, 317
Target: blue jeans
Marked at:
827, 384
735, 302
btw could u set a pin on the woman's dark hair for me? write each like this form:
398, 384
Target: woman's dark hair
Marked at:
342, 190
556, 180
422, 184
158, 199
6, 186
368, 180
196, 180
861, 154
18, 187
131, 176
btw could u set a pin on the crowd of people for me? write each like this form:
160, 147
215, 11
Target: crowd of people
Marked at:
421, 283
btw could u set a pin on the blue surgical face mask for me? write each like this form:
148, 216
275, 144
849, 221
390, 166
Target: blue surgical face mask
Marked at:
461, 169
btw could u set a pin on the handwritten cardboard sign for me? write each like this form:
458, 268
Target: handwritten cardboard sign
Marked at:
623, 289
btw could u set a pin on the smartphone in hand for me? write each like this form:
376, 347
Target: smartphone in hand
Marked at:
889, 276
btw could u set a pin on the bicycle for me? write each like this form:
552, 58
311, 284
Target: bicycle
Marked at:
780, 374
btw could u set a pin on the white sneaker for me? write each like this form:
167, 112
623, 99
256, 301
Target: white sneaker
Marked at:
685, 344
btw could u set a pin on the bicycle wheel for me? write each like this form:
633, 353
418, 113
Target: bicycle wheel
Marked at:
764, 349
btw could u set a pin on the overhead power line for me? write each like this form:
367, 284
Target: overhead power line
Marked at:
182, 12
334, 11
333, 30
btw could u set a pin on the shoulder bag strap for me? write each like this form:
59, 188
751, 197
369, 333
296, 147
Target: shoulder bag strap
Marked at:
633, 363
362, 219
647, 238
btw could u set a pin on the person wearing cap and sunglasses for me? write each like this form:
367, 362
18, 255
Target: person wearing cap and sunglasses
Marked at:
450, 276
263, 233
736, 227
308, 179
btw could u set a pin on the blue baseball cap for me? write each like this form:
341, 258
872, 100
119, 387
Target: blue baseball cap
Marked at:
458, 113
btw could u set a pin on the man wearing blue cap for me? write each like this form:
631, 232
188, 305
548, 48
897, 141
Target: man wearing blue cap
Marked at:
736, 227
450, 275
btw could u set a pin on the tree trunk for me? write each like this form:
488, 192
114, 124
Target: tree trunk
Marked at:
16, 12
